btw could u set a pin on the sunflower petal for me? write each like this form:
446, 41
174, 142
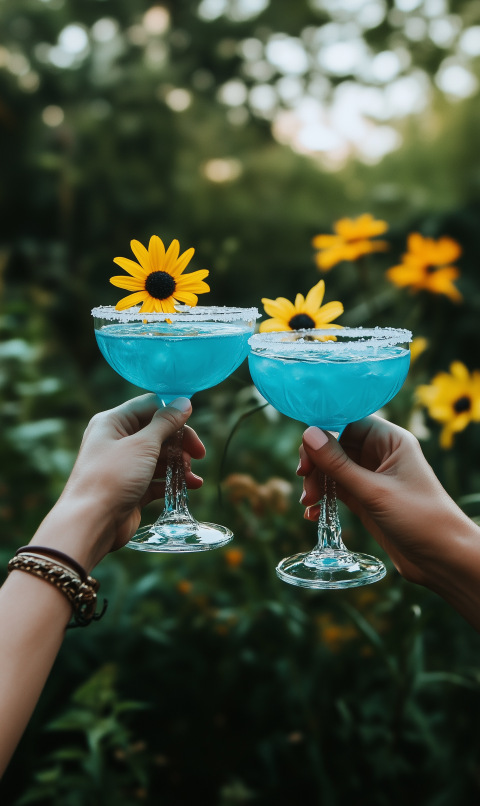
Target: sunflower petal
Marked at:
441, 411
365, 226
187, 297
132, 299
329, 258
314, 298
440, 282
141, 254
417, 347
192, 277
128, 282
274, 325
403, 275
279, 308
183, 262
171, 256
445, 250
461, 421
459, 371
148, 306
446, 437
133, 268
328, 312
168, 305
156, 251
195, 287
326, 241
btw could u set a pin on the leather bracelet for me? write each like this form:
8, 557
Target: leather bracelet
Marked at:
56, 554
79, 588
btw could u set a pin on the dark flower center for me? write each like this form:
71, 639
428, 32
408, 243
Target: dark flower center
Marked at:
301, 321
462, 404
431, 269
160, 284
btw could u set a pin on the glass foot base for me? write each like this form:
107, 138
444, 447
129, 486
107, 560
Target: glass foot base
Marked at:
180, 538
331, 569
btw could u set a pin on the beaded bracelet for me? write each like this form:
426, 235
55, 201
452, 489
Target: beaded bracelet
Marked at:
66, 575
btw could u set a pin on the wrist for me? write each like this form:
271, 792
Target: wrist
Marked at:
79, 528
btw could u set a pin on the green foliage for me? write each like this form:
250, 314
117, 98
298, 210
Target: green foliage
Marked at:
251, 691
91, 772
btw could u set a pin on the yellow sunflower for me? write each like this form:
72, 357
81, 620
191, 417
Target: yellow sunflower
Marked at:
426, 266
157, 280
306, 313
452, 399
351, 241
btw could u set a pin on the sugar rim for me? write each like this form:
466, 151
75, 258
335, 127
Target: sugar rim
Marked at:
183, 314
375, 337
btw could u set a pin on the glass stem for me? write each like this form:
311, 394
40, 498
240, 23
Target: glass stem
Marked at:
329, 529
176, 496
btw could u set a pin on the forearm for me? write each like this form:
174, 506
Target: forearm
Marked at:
455, 573
33, 618
34, 615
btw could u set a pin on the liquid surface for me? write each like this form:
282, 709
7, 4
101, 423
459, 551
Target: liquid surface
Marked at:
174, 360
333, 390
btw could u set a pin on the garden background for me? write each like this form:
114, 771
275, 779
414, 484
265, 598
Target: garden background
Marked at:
244, 129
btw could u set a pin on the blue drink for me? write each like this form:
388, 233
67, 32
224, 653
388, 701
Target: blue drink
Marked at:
175, 355
330, 383
330, 390
174, 360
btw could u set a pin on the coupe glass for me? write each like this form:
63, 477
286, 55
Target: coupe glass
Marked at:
329, 379
175, 355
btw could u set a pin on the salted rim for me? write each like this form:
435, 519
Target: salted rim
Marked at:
183, 314
281, 342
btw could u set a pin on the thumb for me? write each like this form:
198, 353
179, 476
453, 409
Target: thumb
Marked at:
166, 421
330, 458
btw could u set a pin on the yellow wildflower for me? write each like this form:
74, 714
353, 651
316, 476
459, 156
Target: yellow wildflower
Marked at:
425, 266
351, 241
157, 278
306, 313
452, 399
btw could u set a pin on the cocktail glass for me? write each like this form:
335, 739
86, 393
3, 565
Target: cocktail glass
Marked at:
329, 379
175, 355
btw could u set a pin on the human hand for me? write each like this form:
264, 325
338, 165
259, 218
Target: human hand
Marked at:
121, 458
384, 478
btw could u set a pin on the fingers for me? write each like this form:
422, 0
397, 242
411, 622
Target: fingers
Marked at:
156, 489
313, 488
328, 456
312, 513
138, 411
305, 465
192, 444
122, 421
160, 471
165, 422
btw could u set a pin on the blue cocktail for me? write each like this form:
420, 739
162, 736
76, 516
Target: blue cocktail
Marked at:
330, 383
176, 355
177, 359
